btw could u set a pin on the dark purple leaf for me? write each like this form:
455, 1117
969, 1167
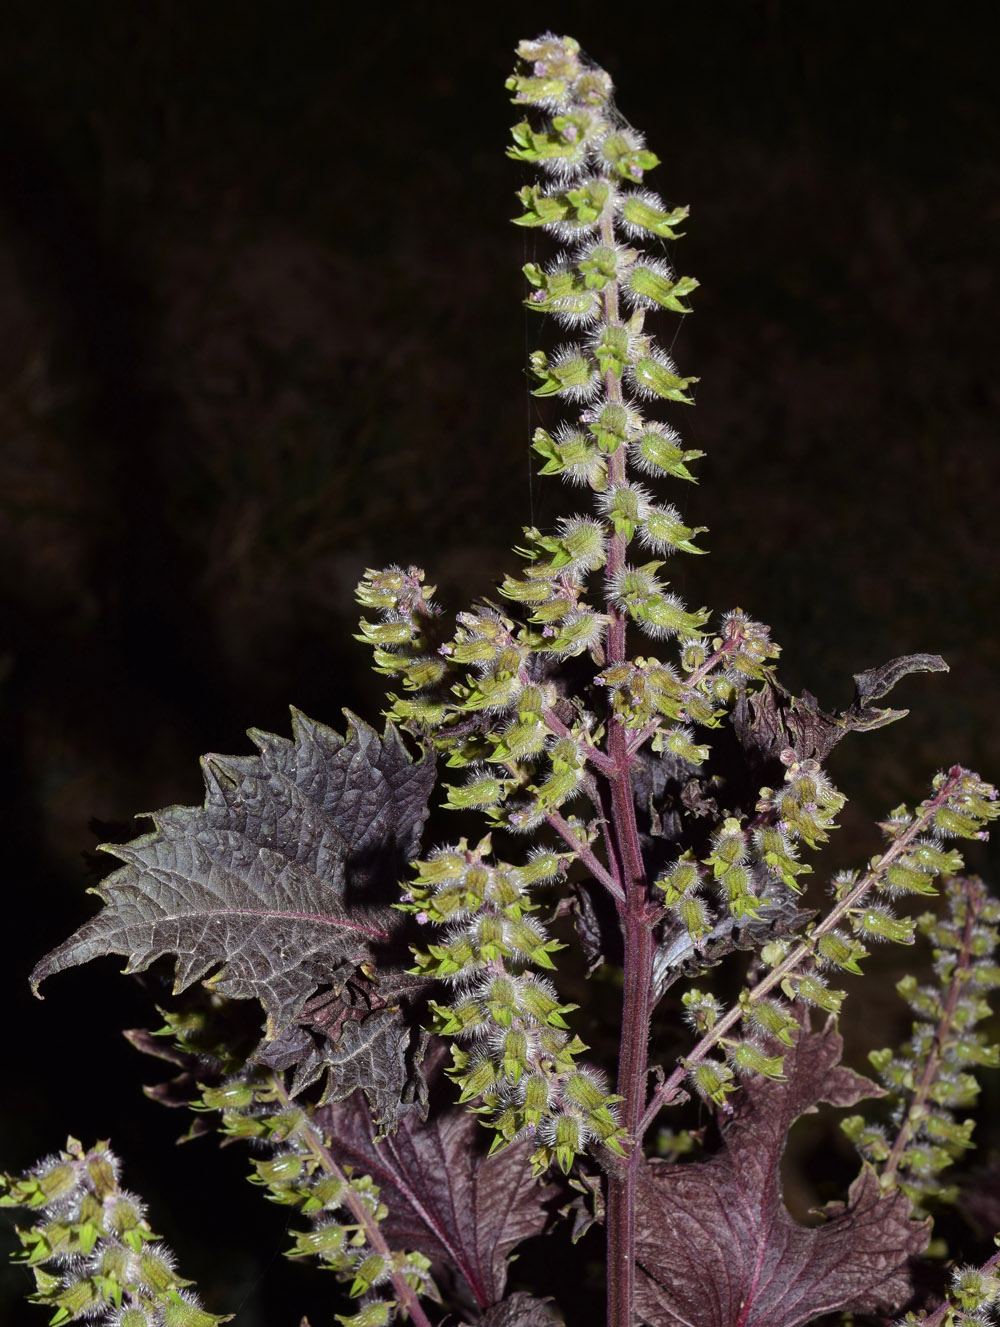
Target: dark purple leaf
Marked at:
716, 1246
279, 888
521, 1310
444, 1195
770, 719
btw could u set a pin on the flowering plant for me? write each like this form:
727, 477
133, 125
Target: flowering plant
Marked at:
420, 1090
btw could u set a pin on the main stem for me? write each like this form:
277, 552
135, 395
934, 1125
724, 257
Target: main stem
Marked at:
633, 1062
637, 923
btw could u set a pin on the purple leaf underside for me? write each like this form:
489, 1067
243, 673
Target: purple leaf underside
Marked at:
717, 1247
279, 888
521, 1310
446, 1197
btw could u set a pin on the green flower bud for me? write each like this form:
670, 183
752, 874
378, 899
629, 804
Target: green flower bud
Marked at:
611, 426
572, 373
372, 1269
750, 1059
880, 924
653, 375
841, 951
657, 452
713, 1080
974, 1290
613, 349
813, 990
377, 1314
663, 531
650, 285
644, 212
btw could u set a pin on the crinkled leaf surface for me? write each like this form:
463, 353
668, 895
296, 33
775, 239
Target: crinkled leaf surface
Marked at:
717, 1247
521, 1310
279, 889
444, 1195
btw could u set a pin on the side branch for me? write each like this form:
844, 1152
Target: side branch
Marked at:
803, 952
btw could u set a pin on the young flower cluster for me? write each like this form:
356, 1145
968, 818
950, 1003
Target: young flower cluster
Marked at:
492, 696
756, 867
403, 644
961, 805
928, 1078
300, 1171
973, 1299
91, 1249
520, 1065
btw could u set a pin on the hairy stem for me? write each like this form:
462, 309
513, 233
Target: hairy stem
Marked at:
586, 855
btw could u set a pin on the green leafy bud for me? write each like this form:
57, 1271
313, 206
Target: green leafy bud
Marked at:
571, 373
713, 1080
372, 1269
957, 824
479, 1079
565, 143
538, 1001
880, 924
869, 1138
582, 1089
653, 375
573, 455
325, 1242
663, 531
813, 990
729, 846
536, 1098
376, 1314
974, 1290
625, 156
600, 266
702, 1008
841, 951
613, 349
387, 633
135, 1317
611, 426
568, 1142
750, 1059
657, 452
909, 880
643, 211
650, 286
155, 1271
769, 1016
775, 952
626, 507
682, 878
694, 916
929, 857
481, 790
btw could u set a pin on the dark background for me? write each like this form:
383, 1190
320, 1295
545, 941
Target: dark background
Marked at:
260, 327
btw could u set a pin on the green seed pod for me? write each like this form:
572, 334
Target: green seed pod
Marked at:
654, 376
880, 924
750, 1059
713, 1080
